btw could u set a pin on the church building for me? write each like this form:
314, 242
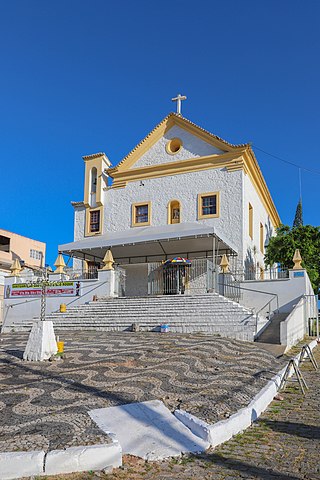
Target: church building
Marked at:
182, 194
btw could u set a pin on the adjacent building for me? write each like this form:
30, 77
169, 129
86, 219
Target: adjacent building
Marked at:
31, 254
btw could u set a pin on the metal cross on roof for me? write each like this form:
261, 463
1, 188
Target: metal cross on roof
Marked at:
178, 99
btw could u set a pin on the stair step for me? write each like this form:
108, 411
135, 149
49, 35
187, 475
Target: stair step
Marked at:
210, 313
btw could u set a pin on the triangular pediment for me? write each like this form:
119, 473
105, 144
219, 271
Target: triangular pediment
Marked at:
193, 142
200, 150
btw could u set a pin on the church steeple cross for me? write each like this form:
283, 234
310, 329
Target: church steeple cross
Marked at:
179, 99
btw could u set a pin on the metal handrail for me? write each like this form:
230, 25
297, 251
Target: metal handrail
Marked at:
257, 312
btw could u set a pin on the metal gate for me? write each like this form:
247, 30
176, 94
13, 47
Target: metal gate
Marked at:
181, 279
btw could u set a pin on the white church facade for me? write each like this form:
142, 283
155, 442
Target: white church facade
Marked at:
181, 191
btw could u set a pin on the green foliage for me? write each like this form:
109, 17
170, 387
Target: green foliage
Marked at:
298, 220
307, 239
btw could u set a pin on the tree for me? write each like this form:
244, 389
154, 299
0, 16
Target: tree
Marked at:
304, 237
298, 220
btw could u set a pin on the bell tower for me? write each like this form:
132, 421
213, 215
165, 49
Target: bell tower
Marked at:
96, 175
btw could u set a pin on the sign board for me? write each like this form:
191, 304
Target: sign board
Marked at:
54, 289
298, 274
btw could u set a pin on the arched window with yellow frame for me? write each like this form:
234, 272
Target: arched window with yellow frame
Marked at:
93, 186
174, 212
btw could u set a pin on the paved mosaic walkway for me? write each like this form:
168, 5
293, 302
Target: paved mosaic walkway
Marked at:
283, 445
44, 405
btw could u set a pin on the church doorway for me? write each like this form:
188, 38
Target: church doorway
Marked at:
175, 276
92, 270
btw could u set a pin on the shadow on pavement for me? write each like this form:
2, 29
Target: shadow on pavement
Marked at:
15, 353
291, 428
248, 470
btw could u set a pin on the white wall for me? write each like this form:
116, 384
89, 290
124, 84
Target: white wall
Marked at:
20, 310
295, 326
192, 147
236, 191
289, 291
79, 229
250, 297
79, 222
260, 215
185, 188
136, 279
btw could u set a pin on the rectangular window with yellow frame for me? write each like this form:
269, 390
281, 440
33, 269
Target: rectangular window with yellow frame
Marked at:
208, 205
250, 221
141, 214
261, 238
94, 222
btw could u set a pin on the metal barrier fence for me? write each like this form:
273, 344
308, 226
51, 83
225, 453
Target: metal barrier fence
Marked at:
82, 274
312, 315
229, 286
259, 274
71, 274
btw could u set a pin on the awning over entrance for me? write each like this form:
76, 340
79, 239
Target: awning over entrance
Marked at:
151, 243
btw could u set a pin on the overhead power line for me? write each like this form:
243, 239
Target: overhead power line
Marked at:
310, 170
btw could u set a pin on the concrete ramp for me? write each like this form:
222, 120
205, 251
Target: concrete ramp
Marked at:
148, 430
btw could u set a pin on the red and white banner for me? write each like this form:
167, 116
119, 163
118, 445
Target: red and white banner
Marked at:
66, 289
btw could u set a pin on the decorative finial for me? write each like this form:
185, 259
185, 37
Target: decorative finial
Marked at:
108, 261
178, 99
16, 268
297, 260
60, 264
224, 264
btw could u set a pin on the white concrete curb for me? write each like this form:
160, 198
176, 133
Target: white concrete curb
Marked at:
21, 464
80, 459
222, 431
74, 459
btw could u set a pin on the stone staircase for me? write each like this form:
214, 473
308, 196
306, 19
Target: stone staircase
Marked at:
208, 313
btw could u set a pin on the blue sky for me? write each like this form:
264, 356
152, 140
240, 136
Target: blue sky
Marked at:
78, 77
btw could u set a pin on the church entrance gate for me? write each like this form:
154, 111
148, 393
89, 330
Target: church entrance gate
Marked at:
198, 278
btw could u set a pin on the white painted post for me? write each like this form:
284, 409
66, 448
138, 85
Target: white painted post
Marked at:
107, 281
41, 343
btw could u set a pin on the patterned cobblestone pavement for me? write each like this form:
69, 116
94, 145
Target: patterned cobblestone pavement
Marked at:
284, 444
44, 405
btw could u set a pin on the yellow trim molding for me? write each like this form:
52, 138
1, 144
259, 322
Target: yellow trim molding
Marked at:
88, 211
201, 216
160, 130
253, 170
243, 159
173, 168
133, 214
233, 158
